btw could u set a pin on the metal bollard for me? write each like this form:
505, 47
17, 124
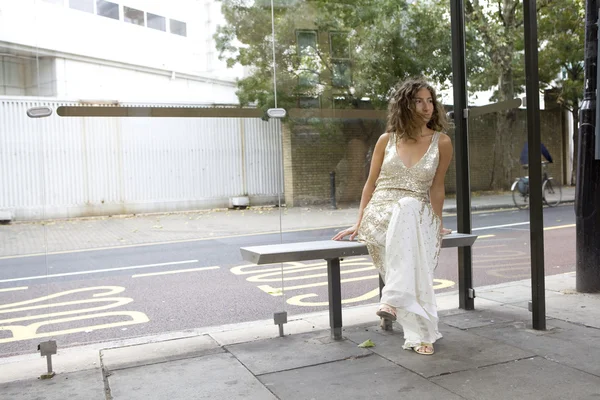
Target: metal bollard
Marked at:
332, 184
280, 318
48, 349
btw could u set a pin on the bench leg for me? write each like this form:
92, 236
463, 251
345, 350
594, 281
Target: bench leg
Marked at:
335, 298
465, 279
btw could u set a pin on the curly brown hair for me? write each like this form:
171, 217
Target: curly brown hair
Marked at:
402, 116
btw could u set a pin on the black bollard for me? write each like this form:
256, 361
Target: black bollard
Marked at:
332, 184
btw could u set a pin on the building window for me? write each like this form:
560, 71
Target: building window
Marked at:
107, 9
308, 69
341, 74
82, 5
309, 102
178, 27
133, 16
156, 22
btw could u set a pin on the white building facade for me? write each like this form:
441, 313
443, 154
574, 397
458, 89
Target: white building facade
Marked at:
57, 53
73, 49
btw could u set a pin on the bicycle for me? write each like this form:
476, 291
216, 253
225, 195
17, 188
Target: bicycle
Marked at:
551, 190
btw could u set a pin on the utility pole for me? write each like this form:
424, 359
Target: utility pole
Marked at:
587, 195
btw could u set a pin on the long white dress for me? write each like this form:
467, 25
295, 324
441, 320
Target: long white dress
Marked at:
402, 234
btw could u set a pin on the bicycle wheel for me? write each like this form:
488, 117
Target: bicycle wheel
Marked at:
521, 200
552, 192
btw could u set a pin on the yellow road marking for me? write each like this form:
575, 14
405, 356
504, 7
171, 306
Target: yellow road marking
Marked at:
279, 291
27, 332
501, 265
114, 302
174, 272
110, 290
560, 227
273, 291
278, 278
299, 299
14, 289
292, 265
96, 271
497, 272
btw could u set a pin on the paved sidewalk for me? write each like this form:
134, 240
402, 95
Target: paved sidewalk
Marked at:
27, 238
489, 353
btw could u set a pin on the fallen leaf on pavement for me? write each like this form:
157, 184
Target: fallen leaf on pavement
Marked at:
367, 343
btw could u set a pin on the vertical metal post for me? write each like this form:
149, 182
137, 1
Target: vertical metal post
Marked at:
49, 364
536, 214
463, 182
597, 135
587, 192
335, 297
332, 188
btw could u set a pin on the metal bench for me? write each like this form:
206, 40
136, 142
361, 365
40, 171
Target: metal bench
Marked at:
332, 251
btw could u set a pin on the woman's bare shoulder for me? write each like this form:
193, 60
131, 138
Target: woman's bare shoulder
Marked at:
383, 139
445, 140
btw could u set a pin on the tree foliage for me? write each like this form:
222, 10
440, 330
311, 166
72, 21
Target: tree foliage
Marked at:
390, 40
562, 35
499, 27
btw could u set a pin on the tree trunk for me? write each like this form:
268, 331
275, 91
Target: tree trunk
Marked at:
575, 113
503, 156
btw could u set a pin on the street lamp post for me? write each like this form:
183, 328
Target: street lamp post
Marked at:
587, 194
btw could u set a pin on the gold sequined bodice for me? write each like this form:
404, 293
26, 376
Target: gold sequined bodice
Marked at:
417, 179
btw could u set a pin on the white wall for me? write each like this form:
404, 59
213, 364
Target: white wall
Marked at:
58, 167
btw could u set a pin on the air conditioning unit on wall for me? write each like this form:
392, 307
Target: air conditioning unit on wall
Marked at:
5, 217
239, 202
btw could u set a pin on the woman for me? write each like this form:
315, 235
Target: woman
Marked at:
400, 215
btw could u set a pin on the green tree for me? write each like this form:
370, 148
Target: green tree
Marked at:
389, 40
359, 50
561, 34
499, 25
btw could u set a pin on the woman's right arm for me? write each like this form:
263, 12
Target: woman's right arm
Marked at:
369, 188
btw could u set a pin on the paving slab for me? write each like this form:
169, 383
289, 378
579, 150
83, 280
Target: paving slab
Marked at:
266, 331
569, 344
581, 308
529, 379
369, 377
457, 351
516, 293
84, 385
560, 282
215, 376
152, 353
288, 352
490, 316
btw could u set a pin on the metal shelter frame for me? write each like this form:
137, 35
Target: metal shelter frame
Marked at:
461, 116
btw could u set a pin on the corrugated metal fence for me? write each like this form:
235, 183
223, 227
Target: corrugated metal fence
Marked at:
65, 167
